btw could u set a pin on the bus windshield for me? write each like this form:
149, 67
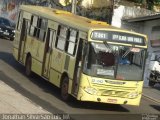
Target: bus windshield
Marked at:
114, 61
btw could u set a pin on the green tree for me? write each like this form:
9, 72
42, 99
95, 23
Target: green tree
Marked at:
152, 3
149, 4
67, 2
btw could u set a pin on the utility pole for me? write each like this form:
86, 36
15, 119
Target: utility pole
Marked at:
111, 12
74, 6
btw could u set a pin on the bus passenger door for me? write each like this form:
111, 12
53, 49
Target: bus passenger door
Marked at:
78, 67
23, 36
47, 53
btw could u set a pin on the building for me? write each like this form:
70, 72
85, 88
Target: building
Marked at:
96, 3
150, 26
142, 21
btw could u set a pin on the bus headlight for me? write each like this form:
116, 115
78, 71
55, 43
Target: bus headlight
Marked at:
90, 90
133, 95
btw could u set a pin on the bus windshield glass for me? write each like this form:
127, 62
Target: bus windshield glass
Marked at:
114, 61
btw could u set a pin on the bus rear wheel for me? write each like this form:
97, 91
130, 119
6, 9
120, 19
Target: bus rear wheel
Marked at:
28, 66
64, 89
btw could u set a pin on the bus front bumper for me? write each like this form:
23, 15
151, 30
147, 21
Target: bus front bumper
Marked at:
84, 96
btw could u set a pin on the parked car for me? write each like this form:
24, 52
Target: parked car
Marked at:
7, 28
154, 72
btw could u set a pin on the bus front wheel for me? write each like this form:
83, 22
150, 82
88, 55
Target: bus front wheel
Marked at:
64, 89
28, 66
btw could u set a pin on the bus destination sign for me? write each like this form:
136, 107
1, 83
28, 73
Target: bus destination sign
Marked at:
118, 37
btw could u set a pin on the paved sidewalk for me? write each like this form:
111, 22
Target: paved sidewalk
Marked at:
13, 102
152, 93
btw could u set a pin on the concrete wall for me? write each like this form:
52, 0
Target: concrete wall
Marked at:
96, 3
123, 12
146, 27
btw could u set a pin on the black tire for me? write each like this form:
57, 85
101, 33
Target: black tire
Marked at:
64, 89
151, 83
28, 65
11, 39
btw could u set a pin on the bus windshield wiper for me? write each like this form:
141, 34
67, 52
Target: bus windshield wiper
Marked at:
126, 53
110, 48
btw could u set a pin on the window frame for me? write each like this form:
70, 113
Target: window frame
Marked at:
34, 32
37, 29
69, 41
60, 35
20, 19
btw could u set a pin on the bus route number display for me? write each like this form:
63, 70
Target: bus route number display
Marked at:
118, 37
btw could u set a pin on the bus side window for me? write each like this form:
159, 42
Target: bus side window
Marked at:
42, 27
80, 50
72, 42
25, 28
33, 28
61, 37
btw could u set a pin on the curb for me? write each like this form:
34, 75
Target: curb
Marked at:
153, 99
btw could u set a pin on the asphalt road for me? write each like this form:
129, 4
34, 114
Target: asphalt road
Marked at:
47, 96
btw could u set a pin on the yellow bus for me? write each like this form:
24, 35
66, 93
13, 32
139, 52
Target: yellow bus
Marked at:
87, 59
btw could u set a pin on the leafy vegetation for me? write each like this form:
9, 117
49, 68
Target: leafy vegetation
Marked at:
149, 4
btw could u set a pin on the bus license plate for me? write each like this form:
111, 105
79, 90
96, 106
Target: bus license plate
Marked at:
112, 100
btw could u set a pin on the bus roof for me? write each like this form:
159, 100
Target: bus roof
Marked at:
65, 17
70, 19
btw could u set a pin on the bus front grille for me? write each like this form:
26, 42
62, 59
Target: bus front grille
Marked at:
114, 93
114, 87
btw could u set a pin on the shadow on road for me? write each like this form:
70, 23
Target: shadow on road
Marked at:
157, 107
48, 88
36, 99
157, 87
108, 117
98, 106
9, 59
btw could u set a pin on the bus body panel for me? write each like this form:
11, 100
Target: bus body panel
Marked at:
83, 35
55, 77
27, 15
58, 60
16, 45
15, 53
69, 66
36, 49
52, 24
